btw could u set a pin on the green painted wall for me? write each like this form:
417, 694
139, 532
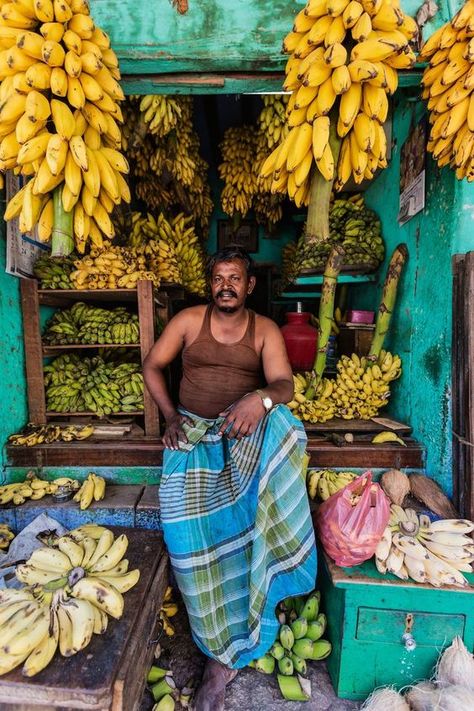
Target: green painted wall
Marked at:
421, 326
13, 388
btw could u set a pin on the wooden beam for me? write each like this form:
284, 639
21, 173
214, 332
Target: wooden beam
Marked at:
146, 313
33, 351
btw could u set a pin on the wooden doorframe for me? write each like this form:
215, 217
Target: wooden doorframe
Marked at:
462, 379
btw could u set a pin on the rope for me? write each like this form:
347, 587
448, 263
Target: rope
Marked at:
462, 440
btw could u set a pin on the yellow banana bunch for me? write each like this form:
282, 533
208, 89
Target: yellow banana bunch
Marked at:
6, 536
272, 118
362, 388
238, 149
72, 585
32, 487
59, 118
111, 267
319, 408
323, 483
448, 83
161, 113
434, 552
343, 58
92, 489
37, 434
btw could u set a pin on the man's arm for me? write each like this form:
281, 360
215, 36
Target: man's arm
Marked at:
244, 415
165, 350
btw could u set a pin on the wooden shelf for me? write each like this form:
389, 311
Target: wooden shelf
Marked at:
50, 350
32, 298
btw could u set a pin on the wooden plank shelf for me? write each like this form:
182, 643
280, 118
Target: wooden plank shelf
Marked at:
50, 413
341, 426
148, 452
49, 351
57, 297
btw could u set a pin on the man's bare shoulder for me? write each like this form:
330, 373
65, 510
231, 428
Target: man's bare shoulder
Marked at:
191, 314
265, 325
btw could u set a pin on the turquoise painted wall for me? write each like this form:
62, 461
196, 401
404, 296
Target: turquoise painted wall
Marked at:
13, 390
421, 326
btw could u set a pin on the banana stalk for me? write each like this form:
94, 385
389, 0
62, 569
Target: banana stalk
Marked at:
387, 303
326, 315
317, 224
62, 240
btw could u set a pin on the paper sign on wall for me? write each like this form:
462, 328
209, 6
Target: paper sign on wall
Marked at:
412, 173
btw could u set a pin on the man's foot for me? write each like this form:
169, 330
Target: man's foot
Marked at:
211, 693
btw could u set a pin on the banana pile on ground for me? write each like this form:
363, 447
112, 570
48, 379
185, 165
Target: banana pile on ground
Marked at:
448, 83
32, 434
323, 483
111, 267
6, 536
164, 152
92, 489
298, 641
352, 225
75, 384
60, 116
435, 552
72, 586
83, 323
319, 408
54, 272
344, 57
238, 149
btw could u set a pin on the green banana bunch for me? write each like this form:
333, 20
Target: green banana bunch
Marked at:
302, 626
351, 225
93, 384
54, 273
83, 323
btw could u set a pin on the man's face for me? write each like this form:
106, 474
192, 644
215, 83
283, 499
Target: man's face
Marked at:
230, 285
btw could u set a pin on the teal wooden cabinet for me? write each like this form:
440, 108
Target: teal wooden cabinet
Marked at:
368, 614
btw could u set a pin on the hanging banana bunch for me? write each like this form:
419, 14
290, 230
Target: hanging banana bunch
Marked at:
238, 150
272, 118
344, 57
448, 83
60, 116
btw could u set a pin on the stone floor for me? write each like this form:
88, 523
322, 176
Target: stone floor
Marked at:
250, 691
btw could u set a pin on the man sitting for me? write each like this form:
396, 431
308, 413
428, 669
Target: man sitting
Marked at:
233, 500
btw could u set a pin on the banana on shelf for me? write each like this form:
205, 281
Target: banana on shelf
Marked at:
92, 489
103, 384
83, 323
72, 586
361, 388
6, 536
323, 483
448, 83
353, 226
45, 434
111, 267
434, 552
54, 273
60, 118
32, 487
387, 436
343, 62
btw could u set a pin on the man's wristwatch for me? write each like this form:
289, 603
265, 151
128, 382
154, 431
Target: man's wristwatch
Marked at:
267, 401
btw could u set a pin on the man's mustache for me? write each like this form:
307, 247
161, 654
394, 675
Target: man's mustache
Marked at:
226, 292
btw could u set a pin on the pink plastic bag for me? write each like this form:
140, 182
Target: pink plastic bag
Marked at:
350, 533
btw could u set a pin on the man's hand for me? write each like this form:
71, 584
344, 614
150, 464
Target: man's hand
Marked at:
174, 433
242, 417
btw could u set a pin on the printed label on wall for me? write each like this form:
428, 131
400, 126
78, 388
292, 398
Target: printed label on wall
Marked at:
23, 249
412, 173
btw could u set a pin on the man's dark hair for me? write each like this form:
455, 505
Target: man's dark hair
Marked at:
227, 255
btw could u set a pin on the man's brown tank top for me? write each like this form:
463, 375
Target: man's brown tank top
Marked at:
217, 374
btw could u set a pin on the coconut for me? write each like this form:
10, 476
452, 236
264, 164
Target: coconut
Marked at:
456, 666
430, 493
396, 485
427, 697
386, 699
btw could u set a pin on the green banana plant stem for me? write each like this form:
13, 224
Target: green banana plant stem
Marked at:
62, 240
387, 302
326, 315
317, 223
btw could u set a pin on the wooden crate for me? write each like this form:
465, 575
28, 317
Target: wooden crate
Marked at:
110, 674
32, 298
368, 613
